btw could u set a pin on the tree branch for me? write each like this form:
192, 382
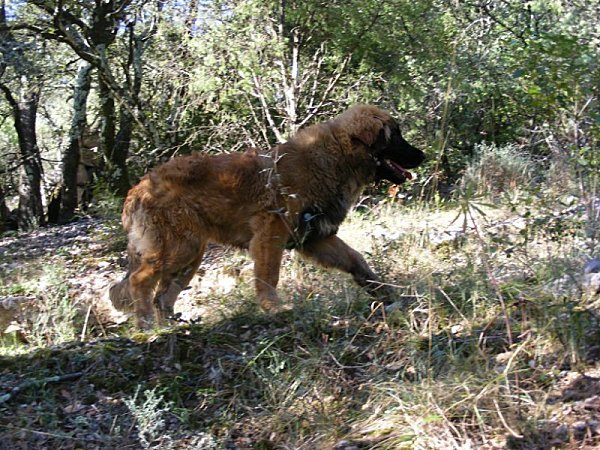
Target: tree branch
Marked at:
9, 97
259, 93
332, 83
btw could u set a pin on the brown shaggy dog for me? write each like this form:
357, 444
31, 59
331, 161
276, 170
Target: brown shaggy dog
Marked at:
295, 197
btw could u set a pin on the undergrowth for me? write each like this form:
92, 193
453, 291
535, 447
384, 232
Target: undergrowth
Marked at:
492, 314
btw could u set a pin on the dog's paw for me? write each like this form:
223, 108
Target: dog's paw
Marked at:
271, 306
145, 322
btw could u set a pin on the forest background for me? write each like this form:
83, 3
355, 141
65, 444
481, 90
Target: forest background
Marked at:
114, 87
493, 240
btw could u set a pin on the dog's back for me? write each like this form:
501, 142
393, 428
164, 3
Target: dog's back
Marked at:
205, 196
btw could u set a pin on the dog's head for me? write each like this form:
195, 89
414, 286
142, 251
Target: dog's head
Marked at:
380, 134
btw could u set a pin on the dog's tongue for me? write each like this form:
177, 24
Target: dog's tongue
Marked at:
405, 173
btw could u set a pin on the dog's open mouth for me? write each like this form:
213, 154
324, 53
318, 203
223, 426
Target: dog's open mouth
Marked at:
401, 171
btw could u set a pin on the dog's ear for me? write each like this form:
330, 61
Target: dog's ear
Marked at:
369, 130
373, 130
367, 124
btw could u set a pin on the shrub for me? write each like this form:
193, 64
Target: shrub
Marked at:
495, 170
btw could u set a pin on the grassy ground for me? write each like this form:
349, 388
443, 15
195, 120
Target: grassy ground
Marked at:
494, 342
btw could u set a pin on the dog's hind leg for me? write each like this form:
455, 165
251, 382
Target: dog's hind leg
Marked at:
119, 295
119, 292
142, 283
332, 252
171, 284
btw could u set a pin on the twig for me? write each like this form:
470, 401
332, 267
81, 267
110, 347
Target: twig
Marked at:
453, 304
88, 438
31, 383
85, 323
513, 356
99, 322
492, 278
508, 428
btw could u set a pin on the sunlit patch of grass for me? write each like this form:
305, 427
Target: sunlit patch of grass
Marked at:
48, 318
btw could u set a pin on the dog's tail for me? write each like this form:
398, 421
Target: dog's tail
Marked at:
119, 292
133, 205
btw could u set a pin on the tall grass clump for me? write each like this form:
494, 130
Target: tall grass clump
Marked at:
51, 319
494, 170
54, 323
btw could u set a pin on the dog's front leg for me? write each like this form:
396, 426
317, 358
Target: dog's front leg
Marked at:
266, 248
332, 252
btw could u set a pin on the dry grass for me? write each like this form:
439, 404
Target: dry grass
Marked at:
493, 343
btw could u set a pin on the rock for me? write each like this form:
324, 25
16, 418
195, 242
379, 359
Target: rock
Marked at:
594, 426
345, 445
562, 432
591, 278
591, 283
592, 266
592, 403
13, 308
588, 282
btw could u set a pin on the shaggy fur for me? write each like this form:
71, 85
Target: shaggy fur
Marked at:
294, 197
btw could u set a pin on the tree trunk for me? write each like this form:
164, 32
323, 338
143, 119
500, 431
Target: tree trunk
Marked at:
24, 111
71, 156
121, 151
4, 212
31, 211
126, 117
115, 169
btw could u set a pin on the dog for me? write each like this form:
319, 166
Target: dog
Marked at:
294, 197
